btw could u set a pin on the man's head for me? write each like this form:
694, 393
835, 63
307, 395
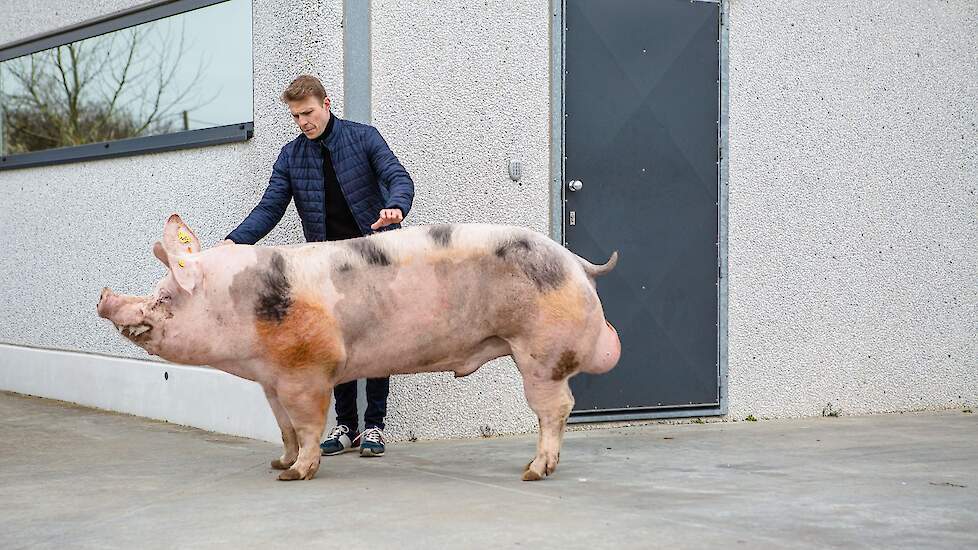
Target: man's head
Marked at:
309, 105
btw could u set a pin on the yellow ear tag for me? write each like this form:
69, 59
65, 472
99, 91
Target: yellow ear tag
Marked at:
180, 263
183, 236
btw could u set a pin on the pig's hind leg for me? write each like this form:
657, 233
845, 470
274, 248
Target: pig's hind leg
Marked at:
550, 398
289, 439
305, 399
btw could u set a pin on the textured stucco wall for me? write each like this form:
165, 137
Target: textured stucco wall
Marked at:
852, 211
460, 89
853, 215
74, 228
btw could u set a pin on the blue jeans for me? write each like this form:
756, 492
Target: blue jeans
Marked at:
346, 404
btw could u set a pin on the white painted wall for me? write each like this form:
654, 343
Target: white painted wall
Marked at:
460, 89
853, 207
73, 228
78, 227
193, 396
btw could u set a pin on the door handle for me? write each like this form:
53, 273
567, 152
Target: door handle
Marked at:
575, 185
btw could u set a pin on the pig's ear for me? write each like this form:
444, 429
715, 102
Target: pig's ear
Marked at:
187, 274
186, 271
178, 239
160, 253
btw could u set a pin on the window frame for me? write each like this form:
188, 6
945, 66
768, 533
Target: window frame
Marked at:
112, 22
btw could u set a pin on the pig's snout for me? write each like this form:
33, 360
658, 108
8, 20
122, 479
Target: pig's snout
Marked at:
104, 302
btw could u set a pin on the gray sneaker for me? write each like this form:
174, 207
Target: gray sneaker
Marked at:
371, 442
339, 441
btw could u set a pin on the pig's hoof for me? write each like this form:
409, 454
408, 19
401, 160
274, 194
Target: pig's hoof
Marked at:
540, 467
290, 475
280, 464
530, 475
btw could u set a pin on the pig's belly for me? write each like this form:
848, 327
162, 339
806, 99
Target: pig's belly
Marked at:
425, 338
426, 321
413, 351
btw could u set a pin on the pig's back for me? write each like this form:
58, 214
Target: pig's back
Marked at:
426, 294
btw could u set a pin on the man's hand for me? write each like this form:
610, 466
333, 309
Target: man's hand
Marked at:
225, 242
387, 217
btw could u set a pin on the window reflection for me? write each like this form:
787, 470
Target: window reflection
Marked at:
188, 71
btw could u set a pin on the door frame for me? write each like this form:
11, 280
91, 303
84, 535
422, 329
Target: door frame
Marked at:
557, 200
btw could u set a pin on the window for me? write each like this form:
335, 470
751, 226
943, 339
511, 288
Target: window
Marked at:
171, 75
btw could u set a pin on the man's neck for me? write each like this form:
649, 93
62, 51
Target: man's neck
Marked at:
329, 128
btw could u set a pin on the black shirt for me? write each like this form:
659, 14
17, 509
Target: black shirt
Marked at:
340, 223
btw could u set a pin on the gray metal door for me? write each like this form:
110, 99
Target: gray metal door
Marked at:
641, 126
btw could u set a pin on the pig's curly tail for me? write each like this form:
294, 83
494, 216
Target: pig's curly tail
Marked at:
598, 270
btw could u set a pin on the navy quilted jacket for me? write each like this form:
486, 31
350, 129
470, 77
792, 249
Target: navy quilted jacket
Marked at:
369, 175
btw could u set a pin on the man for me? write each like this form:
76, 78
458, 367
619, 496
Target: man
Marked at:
346, 183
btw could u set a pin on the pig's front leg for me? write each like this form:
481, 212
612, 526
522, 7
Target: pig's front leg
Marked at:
552, 401
289, 439
305, 398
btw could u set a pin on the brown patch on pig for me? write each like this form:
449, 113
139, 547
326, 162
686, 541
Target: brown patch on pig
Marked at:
306, 336
567, 303
566, 365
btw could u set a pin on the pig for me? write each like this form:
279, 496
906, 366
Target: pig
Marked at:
300, 319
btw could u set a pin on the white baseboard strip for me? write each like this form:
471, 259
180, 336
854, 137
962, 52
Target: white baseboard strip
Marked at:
192, 396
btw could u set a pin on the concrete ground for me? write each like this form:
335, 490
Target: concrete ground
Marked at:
81, 478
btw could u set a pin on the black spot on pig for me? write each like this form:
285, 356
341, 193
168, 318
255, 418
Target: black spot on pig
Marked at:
441, 234
370, 251
274, 290
540, 264
566, 365
517, 245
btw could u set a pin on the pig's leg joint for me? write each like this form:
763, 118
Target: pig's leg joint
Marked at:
290, 442
552, 402
306, 402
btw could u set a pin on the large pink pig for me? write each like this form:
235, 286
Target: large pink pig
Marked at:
300, 319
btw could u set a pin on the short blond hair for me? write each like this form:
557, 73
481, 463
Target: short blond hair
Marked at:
302, 87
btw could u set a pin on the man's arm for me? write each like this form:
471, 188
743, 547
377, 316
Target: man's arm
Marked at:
270, 209
391, 174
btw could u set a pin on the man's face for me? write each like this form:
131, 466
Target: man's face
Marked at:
311, 115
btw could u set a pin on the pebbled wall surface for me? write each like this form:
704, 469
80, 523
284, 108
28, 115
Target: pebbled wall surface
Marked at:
460, 89
853, 157
853, 218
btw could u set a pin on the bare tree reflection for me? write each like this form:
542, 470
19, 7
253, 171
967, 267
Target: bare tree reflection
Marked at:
120, 85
